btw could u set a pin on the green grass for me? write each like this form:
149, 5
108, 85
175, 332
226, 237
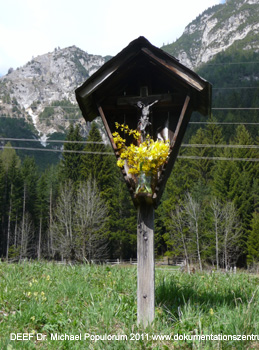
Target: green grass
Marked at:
45, 298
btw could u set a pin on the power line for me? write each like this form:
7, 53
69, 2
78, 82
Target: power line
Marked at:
49, 118
235, 88
225, 123
50, 106
69, 119
231, 63
103, 143
47, 141
220, 158
235, 108
198, 122
245, 108
220, 146
55, 150
109, 153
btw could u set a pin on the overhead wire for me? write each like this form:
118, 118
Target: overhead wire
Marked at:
180, 157
55, 141
220, 158
202, 145
110, 153
220, 146
231, 63
225, 123
235, 108
55, 150
213, 108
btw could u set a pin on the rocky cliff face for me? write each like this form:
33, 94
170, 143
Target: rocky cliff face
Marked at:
217, 29
42, 91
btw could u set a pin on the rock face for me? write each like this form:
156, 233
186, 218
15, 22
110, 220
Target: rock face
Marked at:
217, 29
45, 86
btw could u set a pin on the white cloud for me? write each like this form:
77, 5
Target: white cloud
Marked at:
32, 27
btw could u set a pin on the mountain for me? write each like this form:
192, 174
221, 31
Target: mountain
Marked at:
233, 24
42, 91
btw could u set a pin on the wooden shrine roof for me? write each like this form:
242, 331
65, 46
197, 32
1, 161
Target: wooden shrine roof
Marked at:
126, 62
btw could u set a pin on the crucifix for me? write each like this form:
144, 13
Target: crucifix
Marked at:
144, 119
144, 102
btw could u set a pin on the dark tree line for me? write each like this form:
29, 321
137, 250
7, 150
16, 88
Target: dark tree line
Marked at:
74, 210
81, 209
210, 208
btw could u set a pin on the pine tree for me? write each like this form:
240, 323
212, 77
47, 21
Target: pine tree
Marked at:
2, 206
52, 193
10, 165
122, 221
253, 240
201, 169
7, 156
72, 161
14, 202
42, 210
247, 171
224, 176
30, 178
97, 164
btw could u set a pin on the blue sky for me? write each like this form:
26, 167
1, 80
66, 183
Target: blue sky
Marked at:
34, 27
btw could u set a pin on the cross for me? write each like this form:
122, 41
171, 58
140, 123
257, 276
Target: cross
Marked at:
144, 102
144, 98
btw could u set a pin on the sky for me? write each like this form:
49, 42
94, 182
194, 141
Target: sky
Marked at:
29, 28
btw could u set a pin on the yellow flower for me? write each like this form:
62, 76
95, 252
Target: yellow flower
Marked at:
211, 312
33, 318
120, 163
48, 278
159, 310
42, 294
148, 157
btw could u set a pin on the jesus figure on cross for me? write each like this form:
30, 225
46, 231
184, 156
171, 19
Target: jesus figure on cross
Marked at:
144, 119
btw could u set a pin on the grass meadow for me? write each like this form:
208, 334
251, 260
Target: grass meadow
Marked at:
49, 300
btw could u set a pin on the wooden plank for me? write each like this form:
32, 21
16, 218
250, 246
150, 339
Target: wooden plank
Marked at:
185, 74
175, 146
127, 100
146, 265
124, 173
186, 102
100, 110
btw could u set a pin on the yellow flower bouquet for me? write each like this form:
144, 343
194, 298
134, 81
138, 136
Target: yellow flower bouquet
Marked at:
143, 160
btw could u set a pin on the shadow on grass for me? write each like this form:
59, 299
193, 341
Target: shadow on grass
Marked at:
173, 295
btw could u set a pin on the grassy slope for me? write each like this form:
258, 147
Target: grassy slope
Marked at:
48, 298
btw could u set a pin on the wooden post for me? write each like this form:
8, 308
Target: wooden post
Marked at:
146, 265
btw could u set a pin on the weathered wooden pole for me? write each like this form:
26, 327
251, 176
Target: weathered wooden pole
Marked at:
146, 265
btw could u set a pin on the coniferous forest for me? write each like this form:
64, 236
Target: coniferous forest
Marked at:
80, 209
